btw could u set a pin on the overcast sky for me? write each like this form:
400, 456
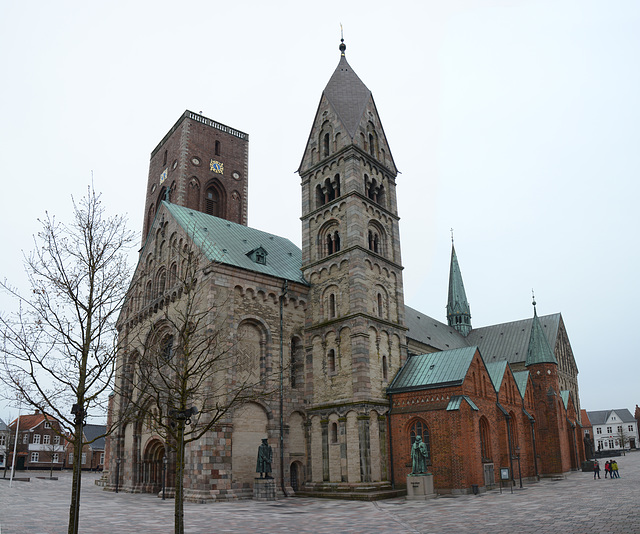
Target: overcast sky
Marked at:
516, 123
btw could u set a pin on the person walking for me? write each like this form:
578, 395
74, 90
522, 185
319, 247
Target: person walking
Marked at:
614, 469
607, 469
596, 469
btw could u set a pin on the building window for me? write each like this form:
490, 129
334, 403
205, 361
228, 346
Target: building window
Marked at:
333, 242
47, 424
70, 458
420, 429
325, 145
630, 427
25, 438
611, 444
331, 361
46, 439
620, 428
609, 429
212, 202
334, 432
485, 441
35, 457
385, 369
598, 430
102, 458
2, 440
332, 306
217, 148
56, 440
84, 458
36, 438
55, 458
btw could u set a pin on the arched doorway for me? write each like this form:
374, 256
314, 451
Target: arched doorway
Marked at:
295, 476
152, 464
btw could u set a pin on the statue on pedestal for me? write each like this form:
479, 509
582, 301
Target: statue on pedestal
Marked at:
419, 456
588, 447
265, 457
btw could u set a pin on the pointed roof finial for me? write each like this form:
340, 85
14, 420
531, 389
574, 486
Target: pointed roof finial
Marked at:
343, 46
533, 298
452, 236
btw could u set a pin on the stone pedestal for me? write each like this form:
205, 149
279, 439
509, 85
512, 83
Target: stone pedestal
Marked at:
264, 489
420, 487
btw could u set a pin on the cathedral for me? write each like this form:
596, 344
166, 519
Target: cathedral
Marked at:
360, 375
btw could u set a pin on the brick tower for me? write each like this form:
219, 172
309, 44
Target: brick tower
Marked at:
354, 327
204, 165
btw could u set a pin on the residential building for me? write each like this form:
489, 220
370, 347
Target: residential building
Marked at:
614, 429
4, 443
41, 442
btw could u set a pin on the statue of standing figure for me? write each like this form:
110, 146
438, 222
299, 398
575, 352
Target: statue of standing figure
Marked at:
419, 455
265, 457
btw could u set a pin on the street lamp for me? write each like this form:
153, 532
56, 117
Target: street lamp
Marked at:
164, 474
518, 458
117, 473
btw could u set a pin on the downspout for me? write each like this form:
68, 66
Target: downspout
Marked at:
284, 292
507, 419
535, 452
393, 479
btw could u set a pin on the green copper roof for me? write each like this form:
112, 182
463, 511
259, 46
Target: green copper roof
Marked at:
457, 304
234, 244
539, 350
456, 401
564, 395
522, 379
496, 372
437, 369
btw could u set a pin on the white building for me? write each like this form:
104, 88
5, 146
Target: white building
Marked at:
614, 429
4, 443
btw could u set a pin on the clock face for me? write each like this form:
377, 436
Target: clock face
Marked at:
216, 166
195, 161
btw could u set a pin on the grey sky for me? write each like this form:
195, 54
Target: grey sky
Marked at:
514, 122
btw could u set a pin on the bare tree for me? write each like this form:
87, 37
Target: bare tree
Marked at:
59, 346
182, 374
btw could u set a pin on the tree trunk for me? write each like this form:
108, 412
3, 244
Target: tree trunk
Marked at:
179, 499
74, 513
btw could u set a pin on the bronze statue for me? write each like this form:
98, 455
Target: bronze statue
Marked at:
419, 455
588, 447
265, 457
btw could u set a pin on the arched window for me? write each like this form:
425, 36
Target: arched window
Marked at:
161, 282
419, 428
331, 361
385, 369
380, 307
515, 442
332, 306
372, 147
212, 202
485, 441
297, 363
333, 242
148, 293
173, 274
334, 432
167, 348
325, 145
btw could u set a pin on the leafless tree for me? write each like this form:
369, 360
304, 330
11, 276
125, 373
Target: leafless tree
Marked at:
182, 374
59, 347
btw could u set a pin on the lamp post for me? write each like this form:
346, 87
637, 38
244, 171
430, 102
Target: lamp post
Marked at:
518, 458
164, 474
117, 474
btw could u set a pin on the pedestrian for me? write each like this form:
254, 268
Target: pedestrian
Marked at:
614, 469
607, 469
596, 469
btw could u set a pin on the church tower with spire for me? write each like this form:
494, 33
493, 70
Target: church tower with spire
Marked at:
354, 327
458, 309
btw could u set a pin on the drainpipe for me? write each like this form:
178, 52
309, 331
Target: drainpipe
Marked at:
535, 452
393, 479
284, 292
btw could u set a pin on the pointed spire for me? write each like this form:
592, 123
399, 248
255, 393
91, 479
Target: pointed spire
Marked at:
539, 350
458, 309
342, 46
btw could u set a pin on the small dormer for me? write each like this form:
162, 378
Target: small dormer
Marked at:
258, 255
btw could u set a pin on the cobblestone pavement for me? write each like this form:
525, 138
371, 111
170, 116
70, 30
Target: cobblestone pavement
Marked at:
575, 504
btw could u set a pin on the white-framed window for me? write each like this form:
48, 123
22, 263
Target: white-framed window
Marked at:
25, 438
47, 424
56, 440
620, 428
598, 430
630, 428
84, 458
36, 438
55, 458
35, 457
102, 458
71, 458
46, 439
609, 429
2, 440
611, 444
617, 443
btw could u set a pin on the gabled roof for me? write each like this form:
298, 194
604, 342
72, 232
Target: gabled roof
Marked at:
456, 401
3, 426
28, 421
432, 332
601, 417
584, 416
91, 432
347, 95
229, 243
522, 379
437, 369
496, 372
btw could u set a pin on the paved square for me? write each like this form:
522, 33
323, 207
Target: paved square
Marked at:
576, 504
